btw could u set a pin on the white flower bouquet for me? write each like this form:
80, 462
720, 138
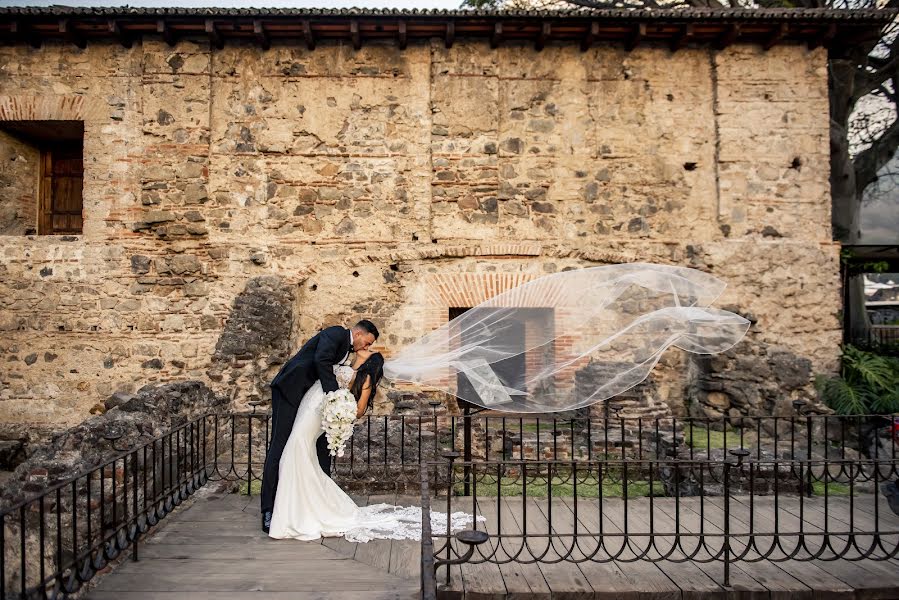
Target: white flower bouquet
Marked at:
338, 417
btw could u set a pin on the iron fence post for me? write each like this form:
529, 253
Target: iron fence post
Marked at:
808, 451
451, 457
727, 524
134, 473
466, 450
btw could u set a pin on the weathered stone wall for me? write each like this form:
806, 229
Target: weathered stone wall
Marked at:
19, 165
336, 184
130, 421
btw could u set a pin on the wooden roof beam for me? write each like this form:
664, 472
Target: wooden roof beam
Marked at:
631, 31
355, 35
636, 36
543, 36
307, 35
450, 34
69, 34
590, 38
825, 38
777, 36
728, 37
496, 38
24, 31
261, 35
215, 36
167, 33
125, 39
682, 38
401, 35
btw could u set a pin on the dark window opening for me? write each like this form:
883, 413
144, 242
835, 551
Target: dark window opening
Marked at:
513, 371
56, 204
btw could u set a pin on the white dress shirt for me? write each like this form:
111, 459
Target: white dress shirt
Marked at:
347, 355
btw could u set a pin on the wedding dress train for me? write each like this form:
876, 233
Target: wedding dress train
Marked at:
310, 505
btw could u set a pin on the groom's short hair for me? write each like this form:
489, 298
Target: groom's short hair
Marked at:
368, 326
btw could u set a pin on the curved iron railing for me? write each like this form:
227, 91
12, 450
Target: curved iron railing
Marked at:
386, 451
54, 542
673, 510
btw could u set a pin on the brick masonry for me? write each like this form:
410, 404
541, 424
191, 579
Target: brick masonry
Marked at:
362, 183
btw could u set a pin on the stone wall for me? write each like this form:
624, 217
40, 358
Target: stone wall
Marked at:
273, 192
128, 421
19, 166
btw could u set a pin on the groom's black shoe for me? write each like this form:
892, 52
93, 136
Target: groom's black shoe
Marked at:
266, 521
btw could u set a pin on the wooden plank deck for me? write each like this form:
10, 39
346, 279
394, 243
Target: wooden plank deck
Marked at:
677, 578
215, 549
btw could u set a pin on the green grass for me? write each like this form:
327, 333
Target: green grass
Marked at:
833, 488
537, 488
702, 438
255, 488
545, 426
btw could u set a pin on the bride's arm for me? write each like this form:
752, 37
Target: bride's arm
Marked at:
362, 405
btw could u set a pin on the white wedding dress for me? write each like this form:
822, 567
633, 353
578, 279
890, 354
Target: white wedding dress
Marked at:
310, 505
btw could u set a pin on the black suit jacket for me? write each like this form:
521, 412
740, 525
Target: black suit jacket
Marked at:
314, 361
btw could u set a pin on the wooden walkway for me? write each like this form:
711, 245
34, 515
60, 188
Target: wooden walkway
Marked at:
669, 580
215, 549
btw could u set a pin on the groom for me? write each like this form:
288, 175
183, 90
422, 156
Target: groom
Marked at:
314, 361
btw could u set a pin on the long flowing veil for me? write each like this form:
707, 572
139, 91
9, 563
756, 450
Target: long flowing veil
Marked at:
571, 339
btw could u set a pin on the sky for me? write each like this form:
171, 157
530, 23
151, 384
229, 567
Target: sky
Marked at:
879, 219
880, 222
245, 4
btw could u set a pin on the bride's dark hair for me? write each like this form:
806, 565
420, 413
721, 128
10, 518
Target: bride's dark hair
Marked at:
374, 368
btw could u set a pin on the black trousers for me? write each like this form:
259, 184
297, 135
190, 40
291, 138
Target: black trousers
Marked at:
284, 414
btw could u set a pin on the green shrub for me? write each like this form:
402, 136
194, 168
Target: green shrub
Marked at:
868, 384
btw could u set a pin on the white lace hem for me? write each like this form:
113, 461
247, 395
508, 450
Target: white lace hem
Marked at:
389, 522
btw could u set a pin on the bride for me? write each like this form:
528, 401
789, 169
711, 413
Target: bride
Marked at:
309, 504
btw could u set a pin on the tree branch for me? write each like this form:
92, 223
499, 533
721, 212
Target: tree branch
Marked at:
869, 161
885, 68
866, 85
644, 3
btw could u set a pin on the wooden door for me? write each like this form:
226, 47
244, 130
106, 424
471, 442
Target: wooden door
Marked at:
62, 181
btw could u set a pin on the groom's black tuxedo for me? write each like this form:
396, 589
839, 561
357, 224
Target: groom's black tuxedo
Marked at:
314, 361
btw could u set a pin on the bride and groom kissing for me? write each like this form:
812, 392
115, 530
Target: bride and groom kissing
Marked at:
299, 500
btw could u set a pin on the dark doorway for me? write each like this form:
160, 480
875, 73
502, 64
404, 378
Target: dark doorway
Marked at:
510, 371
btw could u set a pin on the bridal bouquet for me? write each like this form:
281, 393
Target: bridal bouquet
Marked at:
338, 416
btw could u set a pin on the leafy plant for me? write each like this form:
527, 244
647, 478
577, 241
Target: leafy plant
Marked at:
868, 384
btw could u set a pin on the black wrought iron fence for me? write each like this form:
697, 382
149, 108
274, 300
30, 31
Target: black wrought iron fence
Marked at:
734, 510
386, 451
57, 539
876, 336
